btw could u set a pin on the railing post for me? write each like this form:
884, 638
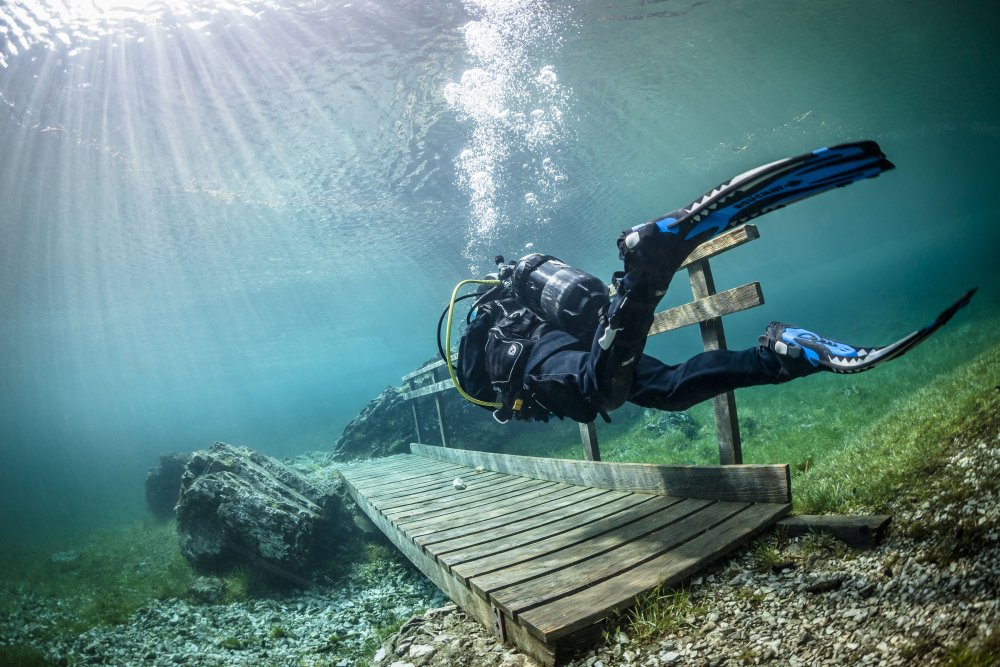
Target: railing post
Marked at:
440, 412
713, 337
409, 386
588, 435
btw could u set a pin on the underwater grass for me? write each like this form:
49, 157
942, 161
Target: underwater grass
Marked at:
655, 614
114, 573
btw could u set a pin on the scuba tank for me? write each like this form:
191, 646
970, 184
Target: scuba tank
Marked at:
562, 295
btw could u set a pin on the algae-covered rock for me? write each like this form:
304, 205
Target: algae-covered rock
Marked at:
238, 506
384, 427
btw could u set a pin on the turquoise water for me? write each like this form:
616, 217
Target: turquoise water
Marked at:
240, 221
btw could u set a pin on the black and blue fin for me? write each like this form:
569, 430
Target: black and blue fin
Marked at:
761, 190
826, 354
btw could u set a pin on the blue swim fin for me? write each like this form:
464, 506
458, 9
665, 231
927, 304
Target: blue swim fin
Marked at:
813, 351
751, 194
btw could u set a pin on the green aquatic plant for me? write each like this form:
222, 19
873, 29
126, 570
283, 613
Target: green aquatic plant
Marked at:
233, 643
983, 651
655, 613
21, 655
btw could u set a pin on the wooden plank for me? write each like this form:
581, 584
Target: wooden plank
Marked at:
537, 506
578, 547
398, 482
434, 365
383, 474
443, 385
858, 532
588, 436
389, 498
371, 467
593, 570
475, 606
573, 612
713, 337
458, 509
447, 495
442, 422
721, 243
572, 513
700, 310
416, 419
521, 535
380, 467
743, 483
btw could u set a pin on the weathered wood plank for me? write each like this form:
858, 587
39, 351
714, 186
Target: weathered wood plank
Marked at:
433, 484
443, 385
588, 436
570, 613
475, 606
743, 483
858, 532
418, 485
515, 536
532, 506
627, 554
701, 310
713, 337
446, 498
721, 243
561, 551
516, 532
462, 513
377, 469
453, 508
412, 471
434, 365
398, 478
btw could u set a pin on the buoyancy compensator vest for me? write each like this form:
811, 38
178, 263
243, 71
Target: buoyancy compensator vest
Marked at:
494, 353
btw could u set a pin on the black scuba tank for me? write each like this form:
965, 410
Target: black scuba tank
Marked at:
562, 295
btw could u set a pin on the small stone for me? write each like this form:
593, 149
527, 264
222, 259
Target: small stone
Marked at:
670, 657
421, 650
379, 655
207, 589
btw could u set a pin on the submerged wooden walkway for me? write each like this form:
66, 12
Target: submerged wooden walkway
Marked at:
542, 550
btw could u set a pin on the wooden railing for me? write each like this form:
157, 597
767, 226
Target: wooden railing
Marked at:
707, 309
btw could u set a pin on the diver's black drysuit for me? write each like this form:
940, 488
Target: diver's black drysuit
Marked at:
539, 370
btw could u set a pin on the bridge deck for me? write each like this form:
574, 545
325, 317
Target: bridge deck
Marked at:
541, 560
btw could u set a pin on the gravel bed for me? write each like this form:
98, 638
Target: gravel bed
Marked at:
325, 625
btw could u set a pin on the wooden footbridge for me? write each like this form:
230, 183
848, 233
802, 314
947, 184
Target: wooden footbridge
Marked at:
542, 550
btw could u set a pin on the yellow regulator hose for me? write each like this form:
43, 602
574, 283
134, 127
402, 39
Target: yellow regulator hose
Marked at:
447, 335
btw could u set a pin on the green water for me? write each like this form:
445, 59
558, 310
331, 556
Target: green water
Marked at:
240, 222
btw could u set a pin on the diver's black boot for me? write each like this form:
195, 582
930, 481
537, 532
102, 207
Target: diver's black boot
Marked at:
620, 341
651, 257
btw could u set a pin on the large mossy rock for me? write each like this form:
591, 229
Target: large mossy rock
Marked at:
383, 427
237, 507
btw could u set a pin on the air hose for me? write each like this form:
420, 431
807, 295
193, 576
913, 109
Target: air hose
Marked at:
447, 335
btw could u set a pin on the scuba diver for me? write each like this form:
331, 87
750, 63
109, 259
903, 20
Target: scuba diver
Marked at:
544, 338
